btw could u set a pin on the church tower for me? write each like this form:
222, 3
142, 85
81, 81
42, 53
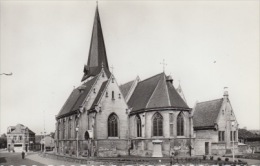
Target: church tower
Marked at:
94, 119
97, 58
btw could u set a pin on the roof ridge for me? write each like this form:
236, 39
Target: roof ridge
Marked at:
150, 77
153, 92
126, 83
209, 100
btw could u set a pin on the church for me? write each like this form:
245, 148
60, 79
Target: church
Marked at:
101, 118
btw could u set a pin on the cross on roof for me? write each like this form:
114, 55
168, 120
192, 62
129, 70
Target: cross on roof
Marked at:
164, 64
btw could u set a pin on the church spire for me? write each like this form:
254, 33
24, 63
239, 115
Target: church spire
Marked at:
179, 90
97, 58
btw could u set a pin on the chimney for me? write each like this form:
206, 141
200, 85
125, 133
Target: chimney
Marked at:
225, 92
169, 79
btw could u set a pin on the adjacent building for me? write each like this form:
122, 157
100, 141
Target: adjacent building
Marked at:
250, 142
20, 138
215, 127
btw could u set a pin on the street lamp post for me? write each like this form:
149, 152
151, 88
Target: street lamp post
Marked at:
77, 130
44, 141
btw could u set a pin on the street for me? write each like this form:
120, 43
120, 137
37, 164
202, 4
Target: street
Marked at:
15, 159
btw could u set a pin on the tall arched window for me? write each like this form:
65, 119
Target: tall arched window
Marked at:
76, 125
59, 130
138, 126
63, 132
69, 128
180, 124
157, 125
112, 124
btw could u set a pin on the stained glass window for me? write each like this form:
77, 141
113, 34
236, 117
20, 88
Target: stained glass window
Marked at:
157, 125
180, 125
112, 126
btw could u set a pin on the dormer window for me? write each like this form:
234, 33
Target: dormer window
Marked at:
119, 96
106, 94
94, 90
112, 80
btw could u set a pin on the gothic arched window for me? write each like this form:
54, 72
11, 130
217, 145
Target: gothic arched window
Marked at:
76, 125
138, 126
180, 124
69, 128
63, 132
58, 132
112, 124
157, 125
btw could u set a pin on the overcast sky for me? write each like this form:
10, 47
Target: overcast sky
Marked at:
207, 45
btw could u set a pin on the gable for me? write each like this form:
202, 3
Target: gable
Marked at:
104, 97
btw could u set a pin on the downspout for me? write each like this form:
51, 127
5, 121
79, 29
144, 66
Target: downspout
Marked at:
95, 133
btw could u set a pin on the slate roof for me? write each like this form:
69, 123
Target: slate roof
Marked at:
155, 92
206, 113
20, 128
97, 58
77, 98
126, 87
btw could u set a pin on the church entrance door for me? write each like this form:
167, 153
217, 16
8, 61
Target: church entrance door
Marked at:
87, 145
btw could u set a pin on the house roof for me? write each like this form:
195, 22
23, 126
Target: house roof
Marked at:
20, 128
155, 92
206, 113
77, 97
97, 58
125, 88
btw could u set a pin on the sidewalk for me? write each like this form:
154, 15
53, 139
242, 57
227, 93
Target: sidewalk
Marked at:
48, 161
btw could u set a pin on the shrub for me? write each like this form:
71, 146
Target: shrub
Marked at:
219, 159
226, 159
204, 157
211, 157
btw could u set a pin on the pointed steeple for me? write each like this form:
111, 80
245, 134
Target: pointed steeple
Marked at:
97, 58
180, 91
